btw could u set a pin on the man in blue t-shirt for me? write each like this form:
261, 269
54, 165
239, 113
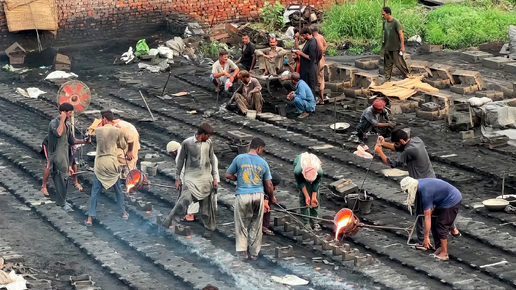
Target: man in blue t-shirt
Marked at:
439, 198
252, 174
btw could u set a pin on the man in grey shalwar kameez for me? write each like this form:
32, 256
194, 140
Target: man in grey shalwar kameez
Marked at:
252, 174
60, 137
196, 160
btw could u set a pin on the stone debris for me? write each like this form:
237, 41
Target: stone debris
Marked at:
291, 280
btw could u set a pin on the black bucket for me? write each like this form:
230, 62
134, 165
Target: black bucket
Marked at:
364, 204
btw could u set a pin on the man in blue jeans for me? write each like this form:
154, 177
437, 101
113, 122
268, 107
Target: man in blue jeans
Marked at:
107, 172
303, 97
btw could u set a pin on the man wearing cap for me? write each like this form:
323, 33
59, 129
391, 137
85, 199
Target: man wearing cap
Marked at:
174, 148
370, 119
308, 174
438, 198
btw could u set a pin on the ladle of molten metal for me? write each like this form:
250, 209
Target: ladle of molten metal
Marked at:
136, 180
348, 223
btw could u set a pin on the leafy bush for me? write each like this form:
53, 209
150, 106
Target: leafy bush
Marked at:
463, 25
212, 49
332, 51
272, 15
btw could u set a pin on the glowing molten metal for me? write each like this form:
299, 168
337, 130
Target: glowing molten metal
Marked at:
346, 222
134, 180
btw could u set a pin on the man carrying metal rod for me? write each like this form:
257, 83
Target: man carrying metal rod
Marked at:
107, 172
308, 174
253, 178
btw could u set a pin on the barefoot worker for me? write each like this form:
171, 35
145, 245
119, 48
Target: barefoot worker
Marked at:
438, 198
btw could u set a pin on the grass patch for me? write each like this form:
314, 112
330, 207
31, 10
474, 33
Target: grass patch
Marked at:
361, 21
462, 25
454, 25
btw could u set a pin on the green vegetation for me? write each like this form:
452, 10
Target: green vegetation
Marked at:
454, 25
462, 25
212, 49
332, 51
272, 15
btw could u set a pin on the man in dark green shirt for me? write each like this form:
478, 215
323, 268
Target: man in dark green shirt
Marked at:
60, 137
308, 174
393, 45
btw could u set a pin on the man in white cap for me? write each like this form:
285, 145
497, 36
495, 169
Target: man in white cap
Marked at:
439, 198
308, 174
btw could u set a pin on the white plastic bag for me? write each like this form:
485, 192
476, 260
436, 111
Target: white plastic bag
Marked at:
128, 56
56, 75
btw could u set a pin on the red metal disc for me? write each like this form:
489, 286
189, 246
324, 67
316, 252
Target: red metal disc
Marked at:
76, 93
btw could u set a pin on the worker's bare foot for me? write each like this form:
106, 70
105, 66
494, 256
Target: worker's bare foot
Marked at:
189, 217
442, 257
438, 251
78, 186
243, 255
45, 191
455, 232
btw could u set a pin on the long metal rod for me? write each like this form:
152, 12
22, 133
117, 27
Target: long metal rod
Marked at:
302, 215
384, 227
162, 185
166, 83
503, 183
152, 116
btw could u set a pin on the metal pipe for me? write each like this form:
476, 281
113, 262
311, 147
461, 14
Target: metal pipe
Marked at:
384, 227
302, 215
152, 116
503, 183
166, 83
162, 185
294, 208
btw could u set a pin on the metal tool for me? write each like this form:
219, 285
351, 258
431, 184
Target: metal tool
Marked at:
148, 109
369, 167
503, 183
166, 83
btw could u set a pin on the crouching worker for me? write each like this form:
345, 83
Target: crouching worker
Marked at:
248, 96
370, 119
303, 97
308, 174
438, 198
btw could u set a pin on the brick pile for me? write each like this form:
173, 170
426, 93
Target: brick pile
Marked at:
85, 20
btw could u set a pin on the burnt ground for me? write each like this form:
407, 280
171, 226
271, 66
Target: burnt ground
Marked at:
178, 263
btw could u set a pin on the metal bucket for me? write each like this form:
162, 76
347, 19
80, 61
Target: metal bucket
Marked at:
152, 170
243, 148
365, 204
281, 110
352, 200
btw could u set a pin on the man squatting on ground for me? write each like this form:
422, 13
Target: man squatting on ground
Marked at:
221, 71
276, 180
415, 157
248, 96
247, 60
393, 44
321, 62
252, 175
197, 162
308, 174
60, 138
303, 97
370, 119
107, 171
173, 148
439, 198
271, 59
